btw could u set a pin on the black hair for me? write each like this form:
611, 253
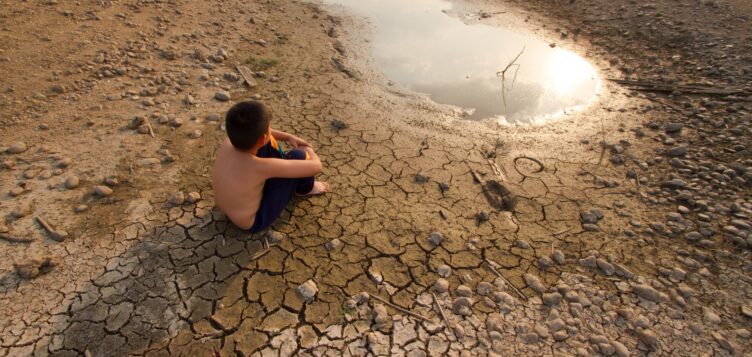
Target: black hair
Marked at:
246, 123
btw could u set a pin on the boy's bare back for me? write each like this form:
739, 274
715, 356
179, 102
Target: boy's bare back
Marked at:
237, 184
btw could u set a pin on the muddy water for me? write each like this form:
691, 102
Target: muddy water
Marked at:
421, 48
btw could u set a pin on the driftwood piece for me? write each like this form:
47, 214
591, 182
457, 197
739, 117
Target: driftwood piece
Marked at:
247, 75
400, 308
492, 264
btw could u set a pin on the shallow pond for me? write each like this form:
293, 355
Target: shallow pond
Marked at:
420, 47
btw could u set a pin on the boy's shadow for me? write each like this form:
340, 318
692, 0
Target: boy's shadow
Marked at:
167, 282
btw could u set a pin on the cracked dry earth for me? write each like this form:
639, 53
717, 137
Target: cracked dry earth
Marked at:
110, 115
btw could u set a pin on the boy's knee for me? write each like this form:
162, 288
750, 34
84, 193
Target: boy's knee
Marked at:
296, 154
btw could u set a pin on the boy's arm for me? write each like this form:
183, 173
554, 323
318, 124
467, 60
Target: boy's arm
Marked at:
292, 168
289, 138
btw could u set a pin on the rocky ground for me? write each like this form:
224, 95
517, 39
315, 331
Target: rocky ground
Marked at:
622, 229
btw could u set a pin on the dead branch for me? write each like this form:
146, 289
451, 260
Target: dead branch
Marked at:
443, 316
400, 308
15, 239
491, 265
503, 75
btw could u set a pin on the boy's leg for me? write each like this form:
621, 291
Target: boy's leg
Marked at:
277, 192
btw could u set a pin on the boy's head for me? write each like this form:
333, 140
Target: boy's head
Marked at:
247, 123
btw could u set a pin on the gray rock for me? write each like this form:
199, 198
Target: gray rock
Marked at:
193, 197
222, 96
177, 198
589, 262
605, 266
591, 227
558, 257
676, 151
379, 314
647, 292
444, 271
333, 244
484, 288
464, 290
72, 182
673, 127
441, 286
435, 238
102, 191
544, 263
588, 217
307, 290
534, 283
17, 148
552, 299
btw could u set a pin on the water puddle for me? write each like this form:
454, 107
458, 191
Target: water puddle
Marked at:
425, 50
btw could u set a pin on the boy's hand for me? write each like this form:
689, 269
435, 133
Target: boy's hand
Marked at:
297, 142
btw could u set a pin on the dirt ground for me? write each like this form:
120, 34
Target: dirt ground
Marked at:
622, 229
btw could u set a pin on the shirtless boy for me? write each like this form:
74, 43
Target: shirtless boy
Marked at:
253, 178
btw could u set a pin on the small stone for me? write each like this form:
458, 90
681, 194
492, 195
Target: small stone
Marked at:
461, 302
544, 263
534, 283
16, 191
274, 237
484, 288
647, 292
222, 96
361, 298
503, 297
441, 286
195, 134
17, 148
23, 210
102, 191
177, 198
33, 266
72, 182
710, 317
676, 151
379, 314
589, 262
522, 244
333, 244
435, 238
464, 290
747, 311
307, 290
80, 208
213, 117
444, 270
587, 217
193, 197
590, 227
620, 349
558, 257
551, 299
606, 267
420, 178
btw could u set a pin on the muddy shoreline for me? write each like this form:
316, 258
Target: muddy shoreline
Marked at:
636, 246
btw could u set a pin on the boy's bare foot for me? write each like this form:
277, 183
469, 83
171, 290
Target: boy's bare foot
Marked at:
318, 188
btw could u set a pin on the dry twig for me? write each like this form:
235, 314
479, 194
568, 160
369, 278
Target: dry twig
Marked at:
491, 265
503, 74
400, 308
15, 239
443, 316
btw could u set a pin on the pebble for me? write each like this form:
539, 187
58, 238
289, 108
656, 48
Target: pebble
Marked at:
72, 182
333, 244
102, 191
522, 244
484, 288
558, 257
676, 151
307, 290
552, 299
464, 290
620, 349
544, 263
589, 262
435, 238
746, 311
222, 96
80, 208
444, 270
461, 305
441, 285
647, 292
379, 314
534, 283
177, 198
17, 148
193, 197
195, 134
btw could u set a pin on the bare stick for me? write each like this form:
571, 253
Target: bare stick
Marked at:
148, 126
603, 142
443, 316
54, 234
491, 265
15, 239
401, 309
503, 74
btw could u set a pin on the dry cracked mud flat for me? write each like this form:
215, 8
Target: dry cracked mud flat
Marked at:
622, 230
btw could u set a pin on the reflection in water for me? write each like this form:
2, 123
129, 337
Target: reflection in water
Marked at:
426, 50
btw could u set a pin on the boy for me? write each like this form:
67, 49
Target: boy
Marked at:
253, 178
